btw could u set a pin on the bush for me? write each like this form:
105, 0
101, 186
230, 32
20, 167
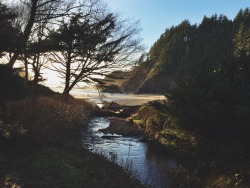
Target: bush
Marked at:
212, 103
151, 117
49, 119
11, 84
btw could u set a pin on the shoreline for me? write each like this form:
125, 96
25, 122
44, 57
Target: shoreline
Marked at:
203, 158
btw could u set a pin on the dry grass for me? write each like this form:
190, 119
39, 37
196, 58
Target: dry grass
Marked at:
50, 154
47, 119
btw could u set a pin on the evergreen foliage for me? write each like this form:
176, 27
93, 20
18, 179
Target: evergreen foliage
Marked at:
88, 48
210, 66
8, 33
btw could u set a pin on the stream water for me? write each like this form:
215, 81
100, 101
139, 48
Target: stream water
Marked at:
150, 166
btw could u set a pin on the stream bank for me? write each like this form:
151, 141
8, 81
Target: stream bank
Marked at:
115, 136
40, 146
196, 160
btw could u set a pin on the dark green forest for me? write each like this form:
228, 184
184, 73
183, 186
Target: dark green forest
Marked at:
204, 72
217, 44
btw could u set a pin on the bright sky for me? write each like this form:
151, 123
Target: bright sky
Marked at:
157, 15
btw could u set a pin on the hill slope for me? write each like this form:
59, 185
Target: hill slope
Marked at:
186, 50
137, 78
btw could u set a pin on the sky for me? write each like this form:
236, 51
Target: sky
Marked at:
157, 15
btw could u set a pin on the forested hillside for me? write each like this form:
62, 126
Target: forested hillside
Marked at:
137, 77
204, 71
216, 45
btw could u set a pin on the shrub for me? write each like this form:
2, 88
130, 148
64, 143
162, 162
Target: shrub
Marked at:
149, 124
11, 84
49, 119
211, 103
152, 118
10, 131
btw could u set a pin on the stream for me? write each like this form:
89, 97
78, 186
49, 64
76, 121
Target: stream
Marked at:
150, 166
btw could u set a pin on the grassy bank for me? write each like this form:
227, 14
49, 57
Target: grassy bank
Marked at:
41, 146
210, 160
207, 160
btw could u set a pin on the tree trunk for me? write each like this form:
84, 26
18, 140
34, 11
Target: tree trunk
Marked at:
13, 59
67, 90
26, 33
36, 77
26, 68
36, 68
67, 75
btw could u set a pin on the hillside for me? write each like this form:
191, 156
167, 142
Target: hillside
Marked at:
116, 78
112, 83
137, 77
128, 82
185, 50
181, 49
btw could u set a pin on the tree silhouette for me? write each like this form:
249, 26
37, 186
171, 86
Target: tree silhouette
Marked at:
90, 48
38, 11
8, 33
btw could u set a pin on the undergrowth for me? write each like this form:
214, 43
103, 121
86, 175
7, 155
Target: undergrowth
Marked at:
208, 160
48, 119
40, 146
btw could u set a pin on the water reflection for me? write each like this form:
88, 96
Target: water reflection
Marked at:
150, 165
